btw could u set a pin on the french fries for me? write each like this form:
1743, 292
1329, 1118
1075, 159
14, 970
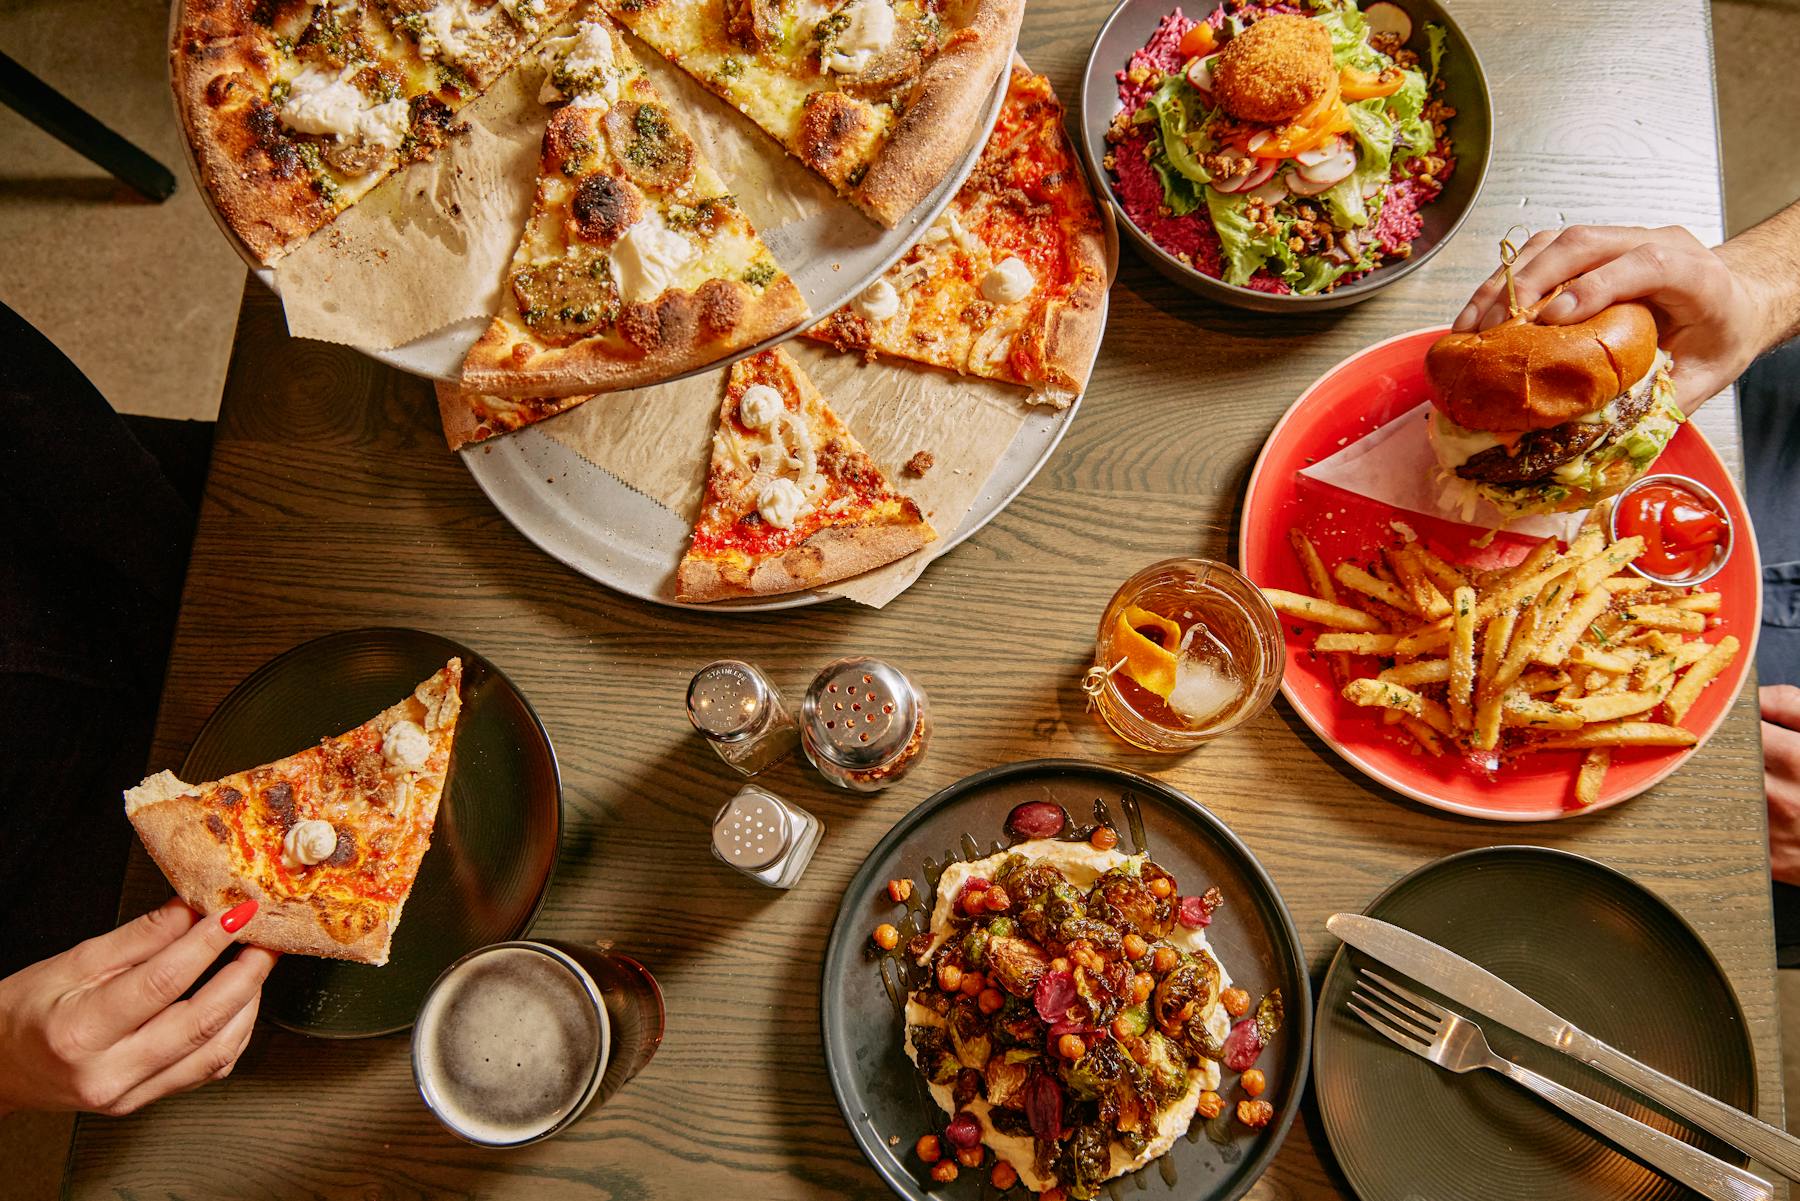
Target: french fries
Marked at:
1564, 650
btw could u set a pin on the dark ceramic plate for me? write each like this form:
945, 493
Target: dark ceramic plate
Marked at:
880, 1092
498, 825
1591, 944
1471, 132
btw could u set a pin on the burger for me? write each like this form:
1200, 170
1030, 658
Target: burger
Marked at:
1537, 418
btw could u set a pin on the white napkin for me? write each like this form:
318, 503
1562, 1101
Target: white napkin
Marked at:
1396, 466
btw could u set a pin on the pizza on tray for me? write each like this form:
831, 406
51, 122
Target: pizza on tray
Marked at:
327, 840
792, 500
1010, 283
637, 263
880, 97
296, 109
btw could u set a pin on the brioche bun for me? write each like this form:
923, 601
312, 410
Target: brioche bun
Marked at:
1523, 375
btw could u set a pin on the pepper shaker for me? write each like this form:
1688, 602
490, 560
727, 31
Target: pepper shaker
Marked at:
740, 713
863, 724
764, 837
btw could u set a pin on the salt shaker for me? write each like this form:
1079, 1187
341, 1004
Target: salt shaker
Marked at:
740, 712
764, 837
863, 724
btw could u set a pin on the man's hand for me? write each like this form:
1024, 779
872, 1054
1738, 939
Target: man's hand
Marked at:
1781, 778
103, 1025
1713, 319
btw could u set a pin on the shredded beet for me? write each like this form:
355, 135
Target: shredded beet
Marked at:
1055, 993
1036, 819
1243, 1045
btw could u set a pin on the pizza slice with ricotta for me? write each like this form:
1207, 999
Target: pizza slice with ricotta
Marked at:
880, 97
792, 500
637, 263
1010, 282
295, 109
328, 840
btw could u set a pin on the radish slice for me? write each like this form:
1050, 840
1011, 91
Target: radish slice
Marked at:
1243, 183
1272, 191
1318, 154
1382, 17
1299, 185
1259, 141
1199, 73
1330, 170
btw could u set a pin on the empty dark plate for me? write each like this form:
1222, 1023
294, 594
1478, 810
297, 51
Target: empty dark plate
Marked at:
498, 825
1591, 944
883, 1096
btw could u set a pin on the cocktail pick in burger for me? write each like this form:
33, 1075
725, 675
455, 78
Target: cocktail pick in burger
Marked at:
1537, 418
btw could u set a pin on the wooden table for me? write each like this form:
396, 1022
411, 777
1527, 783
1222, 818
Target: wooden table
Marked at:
332, 505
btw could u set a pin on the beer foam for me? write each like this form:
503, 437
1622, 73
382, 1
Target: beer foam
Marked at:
508, 1046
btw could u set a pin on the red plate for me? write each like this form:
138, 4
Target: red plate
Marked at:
1354, 398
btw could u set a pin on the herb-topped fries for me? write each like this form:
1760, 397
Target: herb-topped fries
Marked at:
1559, 651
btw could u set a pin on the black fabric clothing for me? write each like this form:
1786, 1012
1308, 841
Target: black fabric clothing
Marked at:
96, 522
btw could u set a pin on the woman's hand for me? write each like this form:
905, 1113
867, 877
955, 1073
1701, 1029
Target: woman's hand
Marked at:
103, 1026
1781, 778
1713, 319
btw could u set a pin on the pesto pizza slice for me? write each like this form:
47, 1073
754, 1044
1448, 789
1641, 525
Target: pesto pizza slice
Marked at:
636, 263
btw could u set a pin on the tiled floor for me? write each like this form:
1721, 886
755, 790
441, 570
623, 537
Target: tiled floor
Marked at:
144, 297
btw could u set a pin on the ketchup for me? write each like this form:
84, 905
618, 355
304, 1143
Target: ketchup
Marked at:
1681, 530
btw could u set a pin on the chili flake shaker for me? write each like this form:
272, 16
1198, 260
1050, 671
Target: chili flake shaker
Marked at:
863, 724
764, 837
740, 713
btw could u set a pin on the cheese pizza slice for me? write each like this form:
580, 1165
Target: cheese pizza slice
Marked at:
328, 840
295, 109
880, 97
1010, 283
637, 263
792, 500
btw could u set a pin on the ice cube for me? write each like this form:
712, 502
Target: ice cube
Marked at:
1205, 685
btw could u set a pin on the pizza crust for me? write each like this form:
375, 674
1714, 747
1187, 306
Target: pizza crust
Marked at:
833, 553
594, 365
471, 416
943, 112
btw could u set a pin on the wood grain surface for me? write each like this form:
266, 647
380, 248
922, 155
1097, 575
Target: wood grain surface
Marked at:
333, 504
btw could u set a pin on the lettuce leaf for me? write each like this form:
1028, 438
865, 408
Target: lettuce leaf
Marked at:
1349, 40
1412, 134
1374, 134
1181, 119
1434, 38
1245, 249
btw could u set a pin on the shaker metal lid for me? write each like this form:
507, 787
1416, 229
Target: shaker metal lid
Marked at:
859, 713
726, 699
751, 831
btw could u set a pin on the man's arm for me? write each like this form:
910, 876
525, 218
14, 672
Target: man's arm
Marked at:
1717, 309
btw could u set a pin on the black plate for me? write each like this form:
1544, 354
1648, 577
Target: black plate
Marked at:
1589, 943
498, 826
880, 1092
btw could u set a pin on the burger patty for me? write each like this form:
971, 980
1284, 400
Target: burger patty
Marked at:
1540, 452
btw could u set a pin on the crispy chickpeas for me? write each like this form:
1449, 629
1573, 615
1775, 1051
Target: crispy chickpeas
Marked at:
928, 1148
1123, 1028
1236, 1002
900, 891
944, 1171
1165, 960
974, 902
1071, 1047
1162, 888
996, 900
1104, 838
971, 1157
1004, 1176
973, 983
1211, 1105
1135, 946
991, 1000
1253, 1082
1142, 985
886, 937
1137, 1048
1255, 1114
949, 977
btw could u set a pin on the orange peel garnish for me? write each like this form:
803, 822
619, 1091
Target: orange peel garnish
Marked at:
1150, 663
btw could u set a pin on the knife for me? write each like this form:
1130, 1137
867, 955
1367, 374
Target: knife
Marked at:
1492, 997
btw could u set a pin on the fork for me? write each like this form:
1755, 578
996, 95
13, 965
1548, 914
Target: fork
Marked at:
1456, 1044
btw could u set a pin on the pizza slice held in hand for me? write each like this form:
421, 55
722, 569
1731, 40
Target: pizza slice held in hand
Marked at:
328, 840
792, 500
637, 263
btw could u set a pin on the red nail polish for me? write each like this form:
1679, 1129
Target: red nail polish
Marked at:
235, 918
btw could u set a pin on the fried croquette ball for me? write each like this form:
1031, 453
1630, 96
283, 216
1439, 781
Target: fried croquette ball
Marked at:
1274, 69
